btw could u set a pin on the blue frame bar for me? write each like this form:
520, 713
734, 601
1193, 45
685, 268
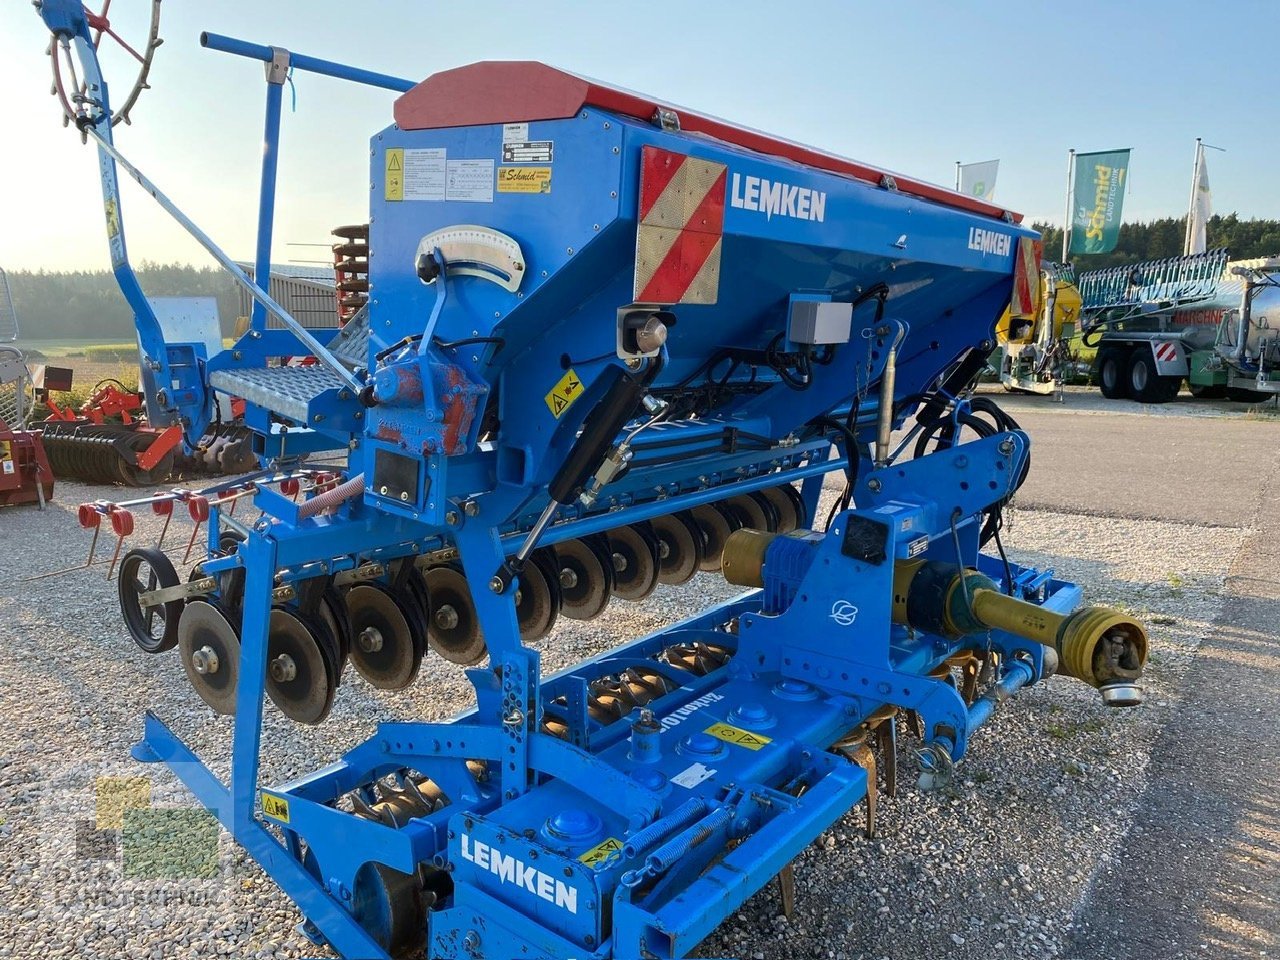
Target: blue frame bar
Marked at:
267, 195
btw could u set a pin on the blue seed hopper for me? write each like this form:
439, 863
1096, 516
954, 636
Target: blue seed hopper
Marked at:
609, 345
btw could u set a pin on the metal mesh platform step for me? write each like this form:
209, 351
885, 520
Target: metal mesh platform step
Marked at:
287, 391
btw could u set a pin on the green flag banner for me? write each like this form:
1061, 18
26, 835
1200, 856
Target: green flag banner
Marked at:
1097, 200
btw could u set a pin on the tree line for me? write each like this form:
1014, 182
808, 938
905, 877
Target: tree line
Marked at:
1157, 239
87, 304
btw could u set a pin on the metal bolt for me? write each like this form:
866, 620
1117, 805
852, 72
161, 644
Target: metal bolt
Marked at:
873, 485
370, 640
404, 495
446, 617
470, 507
1006, 446
471, 942
514, 719
283, 669
451, 517
205, 661
496, 585
568, 579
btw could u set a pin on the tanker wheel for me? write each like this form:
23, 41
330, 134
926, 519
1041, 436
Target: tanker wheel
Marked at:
1245, 395
153, 628
1145, 384
1112, 378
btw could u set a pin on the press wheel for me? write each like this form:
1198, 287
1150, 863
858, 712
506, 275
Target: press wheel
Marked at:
210, 646
154, 628
634, 553
453, 629
586, 576
383, 650
716, 524
301, 677
681, 547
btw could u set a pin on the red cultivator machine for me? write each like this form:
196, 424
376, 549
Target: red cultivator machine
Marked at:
25, 476
107, 440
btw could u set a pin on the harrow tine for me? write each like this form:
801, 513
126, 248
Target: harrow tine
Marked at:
787, 889
887, 740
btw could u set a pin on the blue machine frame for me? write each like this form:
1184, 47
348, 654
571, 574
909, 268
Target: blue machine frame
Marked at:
633, 838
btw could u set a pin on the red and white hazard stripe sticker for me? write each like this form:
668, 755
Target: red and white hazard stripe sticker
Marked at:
1026, 277
1166, 352
680, 230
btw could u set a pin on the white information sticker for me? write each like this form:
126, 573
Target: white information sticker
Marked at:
692, 776
470, 180
424, 174
515, 132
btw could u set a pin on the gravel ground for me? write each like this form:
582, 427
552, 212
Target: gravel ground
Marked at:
1047, 792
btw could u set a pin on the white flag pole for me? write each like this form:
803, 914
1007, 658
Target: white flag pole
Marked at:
1071, 182
1191, 204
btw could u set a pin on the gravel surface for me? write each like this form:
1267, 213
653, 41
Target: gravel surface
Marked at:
1049, 788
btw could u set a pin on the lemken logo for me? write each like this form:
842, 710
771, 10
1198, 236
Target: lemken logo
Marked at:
778, 199
510, 870
990, 241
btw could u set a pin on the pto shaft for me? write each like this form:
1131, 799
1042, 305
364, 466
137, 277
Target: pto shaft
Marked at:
1100, 646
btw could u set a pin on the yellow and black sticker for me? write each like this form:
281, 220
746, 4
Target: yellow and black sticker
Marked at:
743, 738
524, 179
277, 808
601, 852
564, 393
394, 189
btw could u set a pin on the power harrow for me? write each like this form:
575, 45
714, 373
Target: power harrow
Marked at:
107, 439
609, 344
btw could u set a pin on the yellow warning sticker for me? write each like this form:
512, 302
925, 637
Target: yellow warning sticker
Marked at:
394, 174
524, 179
743, 738
564, 393
277, 808
601, 852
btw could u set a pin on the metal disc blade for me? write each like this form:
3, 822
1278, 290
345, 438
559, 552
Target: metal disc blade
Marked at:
333, 609
788, 518
797, 500
634, 552
210, 648
300, 676
751, 513
680, 547
410, 588
382, 643
453, 630
537, 600
716, 525
586, 577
